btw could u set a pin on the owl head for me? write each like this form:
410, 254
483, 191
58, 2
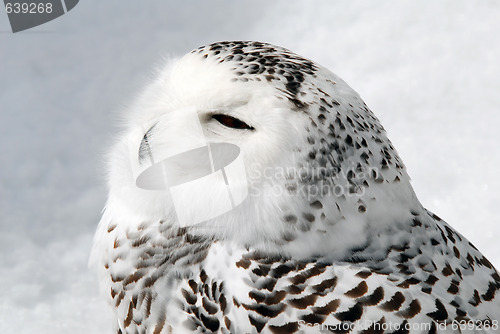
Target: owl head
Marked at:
258, 146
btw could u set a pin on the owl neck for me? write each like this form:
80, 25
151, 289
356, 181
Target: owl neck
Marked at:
301, 224
332, 226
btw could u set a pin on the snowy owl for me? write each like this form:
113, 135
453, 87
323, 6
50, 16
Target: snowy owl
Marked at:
327, 236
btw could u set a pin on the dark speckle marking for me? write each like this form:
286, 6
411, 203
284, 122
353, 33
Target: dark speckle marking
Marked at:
440, 314
258, 324
304, 302
316, 205
364, 274
475, 300
308, 216
373, 299
130, 314
431, 280
447, 271
490, 293
328, 284
290, 327
453, 288
352, 314
358, 291
281, 270
290, 219
328, 308
305, 275
243, 263
266, 311
394, 303
410, 281
411, 311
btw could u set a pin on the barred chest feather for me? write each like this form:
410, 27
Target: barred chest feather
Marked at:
163, 279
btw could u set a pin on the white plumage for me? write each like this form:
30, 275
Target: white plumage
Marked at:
331, 236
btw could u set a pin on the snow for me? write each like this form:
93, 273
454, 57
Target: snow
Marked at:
430, 72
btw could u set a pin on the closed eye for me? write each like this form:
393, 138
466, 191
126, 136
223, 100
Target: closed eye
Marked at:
232, 122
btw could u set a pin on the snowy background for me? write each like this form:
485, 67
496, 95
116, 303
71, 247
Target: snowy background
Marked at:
429, 70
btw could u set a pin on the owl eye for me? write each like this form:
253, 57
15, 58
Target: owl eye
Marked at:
232, 122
